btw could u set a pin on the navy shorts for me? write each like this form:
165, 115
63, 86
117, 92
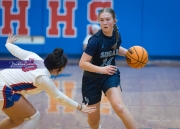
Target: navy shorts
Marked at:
92, 87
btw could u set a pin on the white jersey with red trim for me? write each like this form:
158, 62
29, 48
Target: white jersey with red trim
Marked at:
22, 80
31, 79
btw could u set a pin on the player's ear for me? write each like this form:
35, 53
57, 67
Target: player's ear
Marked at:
58, 70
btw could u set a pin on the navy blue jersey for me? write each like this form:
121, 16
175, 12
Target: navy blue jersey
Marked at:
100, 48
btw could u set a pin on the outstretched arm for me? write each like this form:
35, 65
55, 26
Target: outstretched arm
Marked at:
122, 51
49, 87
15, 50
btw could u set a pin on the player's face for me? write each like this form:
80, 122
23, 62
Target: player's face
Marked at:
56, 72
107, 22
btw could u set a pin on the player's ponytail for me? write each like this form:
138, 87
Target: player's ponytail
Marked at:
117, 36
56, 60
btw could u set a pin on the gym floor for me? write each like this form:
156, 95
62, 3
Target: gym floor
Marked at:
152, 94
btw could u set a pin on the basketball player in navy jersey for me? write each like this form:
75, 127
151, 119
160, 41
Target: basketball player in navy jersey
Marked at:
15, 83
100, 71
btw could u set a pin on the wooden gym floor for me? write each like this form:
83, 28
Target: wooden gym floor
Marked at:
152, 94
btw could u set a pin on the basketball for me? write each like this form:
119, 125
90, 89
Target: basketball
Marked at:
136, 57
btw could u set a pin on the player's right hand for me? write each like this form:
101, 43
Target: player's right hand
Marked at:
11, 38
86, 109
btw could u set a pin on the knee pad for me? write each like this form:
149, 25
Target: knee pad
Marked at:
32, 122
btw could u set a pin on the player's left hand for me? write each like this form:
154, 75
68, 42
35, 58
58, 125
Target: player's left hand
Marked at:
11, 38
109, 69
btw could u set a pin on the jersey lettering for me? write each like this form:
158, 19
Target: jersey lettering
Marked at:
109, 53
20, 17
67, 18
29, 65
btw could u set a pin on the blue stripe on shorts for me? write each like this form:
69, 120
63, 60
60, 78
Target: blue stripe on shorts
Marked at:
9, 97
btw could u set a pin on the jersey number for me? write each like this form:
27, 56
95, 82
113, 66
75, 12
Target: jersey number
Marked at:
107, 62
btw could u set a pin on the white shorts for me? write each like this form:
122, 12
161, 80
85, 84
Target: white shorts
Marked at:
7, 96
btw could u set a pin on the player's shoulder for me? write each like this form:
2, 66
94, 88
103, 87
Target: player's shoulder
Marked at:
34, 56
97, 36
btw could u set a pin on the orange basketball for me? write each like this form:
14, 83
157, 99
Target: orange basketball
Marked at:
136, 57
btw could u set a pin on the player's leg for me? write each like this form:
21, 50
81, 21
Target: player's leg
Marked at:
94, 118
21, 110
91, 92
10, 122
115, 98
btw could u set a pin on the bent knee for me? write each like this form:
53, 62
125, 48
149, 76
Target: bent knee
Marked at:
93, 122
36, 116
32, 122
17, 121
120, 108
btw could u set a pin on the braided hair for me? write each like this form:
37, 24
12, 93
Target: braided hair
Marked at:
115, 28
56, 60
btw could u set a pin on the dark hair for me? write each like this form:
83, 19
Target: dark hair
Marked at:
111, 11
56, 60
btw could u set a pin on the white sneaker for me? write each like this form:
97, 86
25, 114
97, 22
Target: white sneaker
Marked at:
99, 127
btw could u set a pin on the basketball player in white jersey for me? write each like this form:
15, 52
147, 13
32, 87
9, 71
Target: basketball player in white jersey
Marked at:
15, 83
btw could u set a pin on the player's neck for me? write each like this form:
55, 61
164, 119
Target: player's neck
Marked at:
108, 34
